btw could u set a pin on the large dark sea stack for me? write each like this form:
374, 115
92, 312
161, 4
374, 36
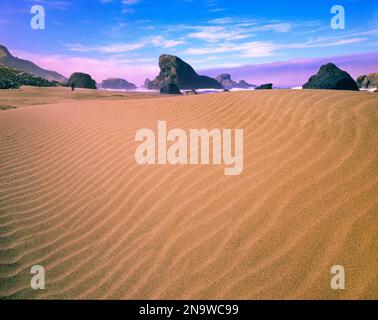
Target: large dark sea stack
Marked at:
82, 80
170, 88
331, 77
368, 81
118, 83
174, 70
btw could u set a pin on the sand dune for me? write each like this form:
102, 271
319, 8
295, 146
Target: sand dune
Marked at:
73, 200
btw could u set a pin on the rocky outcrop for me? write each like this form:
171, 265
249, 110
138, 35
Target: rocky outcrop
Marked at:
176, 71
265, 86
368, 81
331, 77
245, 85
226, 81
118, 83
9, 61
146, 83
190, 92
170, 88
82, 80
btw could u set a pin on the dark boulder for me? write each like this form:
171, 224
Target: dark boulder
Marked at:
170, 88
174, 70
82, 80
118, 83
190, 92
331, 77
265, 86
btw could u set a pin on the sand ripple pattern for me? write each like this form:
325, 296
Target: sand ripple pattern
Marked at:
73, 200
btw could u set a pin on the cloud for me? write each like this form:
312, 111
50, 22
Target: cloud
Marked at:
160, 41
156, 41
213, 6
227, 29
52, 4
324, 42
126, 4
259, 49
114, 48
216, 33
252, 49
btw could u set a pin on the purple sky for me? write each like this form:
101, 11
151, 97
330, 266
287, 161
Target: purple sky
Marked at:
296, 72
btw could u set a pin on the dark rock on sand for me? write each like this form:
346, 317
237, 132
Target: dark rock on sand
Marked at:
331, 77
265, 86
190, 92
170, 88
82, 80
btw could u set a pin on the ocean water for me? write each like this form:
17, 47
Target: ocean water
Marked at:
199, 91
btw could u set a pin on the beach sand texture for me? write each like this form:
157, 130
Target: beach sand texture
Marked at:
73, 199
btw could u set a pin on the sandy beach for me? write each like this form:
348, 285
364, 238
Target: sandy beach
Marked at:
73, 199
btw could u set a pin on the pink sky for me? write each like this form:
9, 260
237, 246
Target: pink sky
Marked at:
287, 74
99, 69
296, 72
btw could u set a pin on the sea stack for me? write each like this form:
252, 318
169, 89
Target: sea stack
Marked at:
170, 88
118, 83
245, 85
266, 86
82, 80
226, 81
368, 81
176, 71
330, 76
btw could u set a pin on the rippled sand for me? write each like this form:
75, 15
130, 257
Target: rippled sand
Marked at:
73, 199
